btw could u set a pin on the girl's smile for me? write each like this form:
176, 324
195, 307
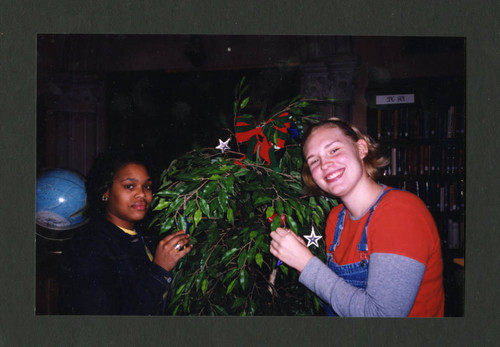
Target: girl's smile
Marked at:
334, 176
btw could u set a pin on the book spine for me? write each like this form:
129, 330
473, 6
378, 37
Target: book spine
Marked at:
393, 161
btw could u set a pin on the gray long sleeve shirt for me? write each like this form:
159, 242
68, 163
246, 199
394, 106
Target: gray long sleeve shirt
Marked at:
393, 283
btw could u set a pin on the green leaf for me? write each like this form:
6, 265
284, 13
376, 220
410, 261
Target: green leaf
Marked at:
215, 209
299, 217
251, 254
208, 189
185, 305
312, 202
259, 242
241, 172
292, 223
204, 286
319, 211
167, 225
199, 281
242, 258
230, 274
204, 206
162, 204
220, 309
243, 279
190, 207
223, 199
288, 209
238, 302
275, 223
215, 177
253, 234
180, 289
228, 255
316, 219
253, 307
197, 217
261, 200
297, 187
279, 207
231, 285
258, 259
324, 204
175, 205
167, 194
269, 211
245, 102
182, 225
316, 304
228, 184
230, 215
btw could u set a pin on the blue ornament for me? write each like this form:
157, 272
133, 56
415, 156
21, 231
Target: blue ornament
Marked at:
294, 132
60, 199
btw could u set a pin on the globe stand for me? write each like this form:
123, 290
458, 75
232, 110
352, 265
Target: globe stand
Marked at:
49, 247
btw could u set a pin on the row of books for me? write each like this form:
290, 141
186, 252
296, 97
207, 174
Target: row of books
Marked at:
426, 159
408, 122
438, 196
452, 233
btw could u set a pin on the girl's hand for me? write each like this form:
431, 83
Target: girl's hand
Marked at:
290, 248
167, 255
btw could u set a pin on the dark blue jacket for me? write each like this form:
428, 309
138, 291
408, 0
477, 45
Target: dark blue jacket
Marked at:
105, 271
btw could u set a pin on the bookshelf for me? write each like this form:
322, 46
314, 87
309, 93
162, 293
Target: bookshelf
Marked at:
420, 124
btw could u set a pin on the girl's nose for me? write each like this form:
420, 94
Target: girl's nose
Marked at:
325, 164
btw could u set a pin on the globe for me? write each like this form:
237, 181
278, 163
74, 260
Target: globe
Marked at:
60, 199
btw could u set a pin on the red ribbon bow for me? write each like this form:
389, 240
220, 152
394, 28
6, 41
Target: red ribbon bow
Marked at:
248, 131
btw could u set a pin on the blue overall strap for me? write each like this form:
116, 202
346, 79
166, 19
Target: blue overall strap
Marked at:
338, 229
363, 243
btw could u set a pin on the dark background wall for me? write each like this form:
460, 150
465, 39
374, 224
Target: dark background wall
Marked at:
168, 93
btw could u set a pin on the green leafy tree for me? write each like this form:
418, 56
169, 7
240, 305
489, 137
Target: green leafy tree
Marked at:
229, 202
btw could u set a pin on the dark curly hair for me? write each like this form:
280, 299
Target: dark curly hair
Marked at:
373, 160
103, 171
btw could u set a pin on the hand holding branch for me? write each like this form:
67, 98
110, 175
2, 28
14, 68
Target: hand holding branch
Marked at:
172, 248
290, 248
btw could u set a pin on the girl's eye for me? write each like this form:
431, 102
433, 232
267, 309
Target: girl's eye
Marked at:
129, 186
313, 162
148, 187
334, 150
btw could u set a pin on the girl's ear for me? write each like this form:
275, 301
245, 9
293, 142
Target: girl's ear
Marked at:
105, 196
362, 146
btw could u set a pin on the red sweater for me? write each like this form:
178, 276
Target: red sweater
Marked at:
402, 225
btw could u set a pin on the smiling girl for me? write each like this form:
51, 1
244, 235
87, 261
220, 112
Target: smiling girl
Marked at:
112, 267
383, 248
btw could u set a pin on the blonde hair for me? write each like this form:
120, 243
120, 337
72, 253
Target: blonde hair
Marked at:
373, 161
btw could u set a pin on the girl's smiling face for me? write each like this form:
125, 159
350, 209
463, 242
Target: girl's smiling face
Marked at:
335, 160
129, 196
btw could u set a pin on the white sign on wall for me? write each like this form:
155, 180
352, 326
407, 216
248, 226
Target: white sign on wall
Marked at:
395, 99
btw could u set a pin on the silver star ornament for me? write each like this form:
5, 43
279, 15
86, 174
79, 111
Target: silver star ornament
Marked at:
312, 238
223, 145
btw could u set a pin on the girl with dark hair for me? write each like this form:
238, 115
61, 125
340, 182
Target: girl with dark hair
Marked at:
383, 248
111, 267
